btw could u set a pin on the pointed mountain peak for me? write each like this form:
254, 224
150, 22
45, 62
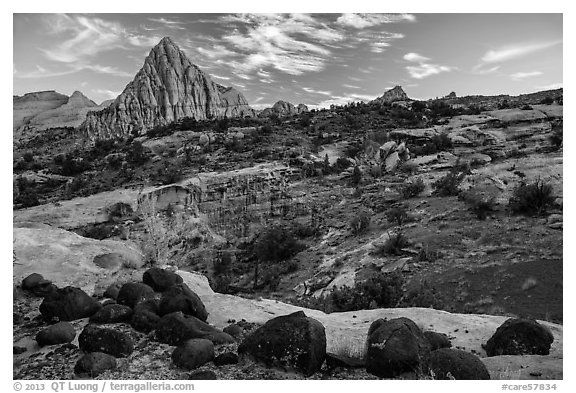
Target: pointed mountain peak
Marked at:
397, 93
79, 99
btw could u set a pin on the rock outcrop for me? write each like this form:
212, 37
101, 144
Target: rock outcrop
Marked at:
282, 108
167, 88
394, 94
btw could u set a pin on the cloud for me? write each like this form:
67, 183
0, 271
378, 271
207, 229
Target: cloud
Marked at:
320, 92
360, 21
217, 52
415, 57
523, 75
351, 86
481, 70
110, 94
42, 72
424, 68
342, 100
293, 44
515, 51
170, 23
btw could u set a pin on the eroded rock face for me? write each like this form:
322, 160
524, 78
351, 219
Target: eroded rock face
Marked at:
282, 108
167, 88
291, 341
394, 94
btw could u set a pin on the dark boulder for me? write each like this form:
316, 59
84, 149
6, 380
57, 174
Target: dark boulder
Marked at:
145, 318
234, 330
181, 298
112, 313
203, 375
161, 279
112, 291
292, 341
343, 361
226, 358
394, 347
519, 336
132, 293
175, 328
60, 333
38, 285
94, 364
110, 341
437, 340
193, 353
447, 363
69, 304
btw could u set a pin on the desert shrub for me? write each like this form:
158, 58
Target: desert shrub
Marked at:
427, 254
119, 210
340, 165
356, 176
408, 167
397, 215
72, 166
421, 295
412, 189
380, 290
170, 173
534, 198
556, 137
136, 154
449, 185
547, 101
526, 108
360, 223
480, 205
393, 245
28, 157
353, 149
442, 142
276, 244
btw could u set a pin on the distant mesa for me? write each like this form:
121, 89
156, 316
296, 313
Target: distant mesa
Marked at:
49, 109
283, 108
167, 88
392, 95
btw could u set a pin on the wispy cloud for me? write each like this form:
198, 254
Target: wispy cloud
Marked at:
360, 21
514, 51
171, 23
41, 72
523, 75
424, 68
483, 69
217, 52
351, 86
320, 92
110, 94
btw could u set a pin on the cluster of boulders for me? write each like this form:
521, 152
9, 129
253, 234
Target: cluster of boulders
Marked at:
163, 304
392, 154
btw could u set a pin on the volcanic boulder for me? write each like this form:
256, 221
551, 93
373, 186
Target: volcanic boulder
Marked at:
160, 279
193, 353
292, 341
94, 364
519, 336
181, 298
394, 347
447, 363
60, 333
133, 293
69, 304
175, 328
110, 341
112, 313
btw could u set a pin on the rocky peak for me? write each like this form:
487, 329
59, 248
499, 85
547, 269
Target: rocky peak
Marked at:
394, 94
167, 88
77, 99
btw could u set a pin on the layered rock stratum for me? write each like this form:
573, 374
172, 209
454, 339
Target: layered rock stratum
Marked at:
167, 88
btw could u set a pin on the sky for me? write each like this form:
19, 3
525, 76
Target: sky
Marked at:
315, 59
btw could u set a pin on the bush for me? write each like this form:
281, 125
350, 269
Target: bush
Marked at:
380, 290
393, 245
482, 206
275, 245
360, 223
556, 137
442, 142
534, 198
356, 176
547, 101
449, 185
397, 215
413, 189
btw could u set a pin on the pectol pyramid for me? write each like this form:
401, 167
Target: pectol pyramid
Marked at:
167, 88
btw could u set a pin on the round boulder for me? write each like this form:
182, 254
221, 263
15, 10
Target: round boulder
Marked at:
203, 375
160, 279
292, 341
447, 363
112, 313
60, 333
145, 318
38, 285
193, 353
394, 347
437, 340
112, 291
110, 341
69, 304
94, 364
181, 298
519, 336
132, 293
175, 328
226, 358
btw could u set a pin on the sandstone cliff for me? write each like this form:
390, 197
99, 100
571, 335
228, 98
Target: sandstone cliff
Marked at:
283, 108
167, 88
29, 105
394, 94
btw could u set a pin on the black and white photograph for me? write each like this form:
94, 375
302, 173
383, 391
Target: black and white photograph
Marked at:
286, 196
